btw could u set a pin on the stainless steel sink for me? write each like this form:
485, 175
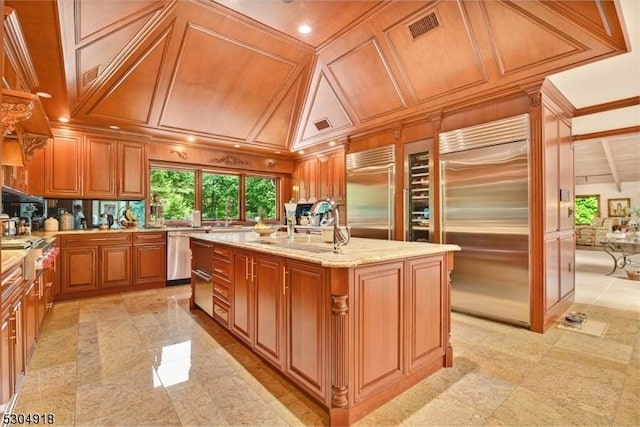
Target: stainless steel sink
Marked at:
296, 246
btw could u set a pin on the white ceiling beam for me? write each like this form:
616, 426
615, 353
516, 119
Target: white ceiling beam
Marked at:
606, 147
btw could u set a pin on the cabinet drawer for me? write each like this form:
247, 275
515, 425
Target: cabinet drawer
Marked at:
221, 290
96, 239
144, 237
221, 311
222, 270
222, 254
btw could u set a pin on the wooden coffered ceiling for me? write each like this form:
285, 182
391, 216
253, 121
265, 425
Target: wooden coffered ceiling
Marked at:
238, 72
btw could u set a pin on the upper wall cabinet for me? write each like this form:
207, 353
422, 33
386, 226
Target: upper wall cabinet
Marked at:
321, 177
88, 166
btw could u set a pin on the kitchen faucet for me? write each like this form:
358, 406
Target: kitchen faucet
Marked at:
340, 238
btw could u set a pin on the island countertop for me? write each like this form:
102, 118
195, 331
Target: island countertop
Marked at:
311, 248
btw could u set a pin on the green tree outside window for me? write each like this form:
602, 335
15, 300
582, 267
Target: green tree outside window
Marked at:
260, 195
177, 189
587, 207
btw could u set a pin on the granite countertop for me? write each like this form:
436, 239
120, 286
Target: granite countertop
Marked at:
12, 257
311, 248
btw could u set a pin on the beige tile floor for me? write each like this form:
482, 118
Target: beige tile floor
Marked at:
144, 359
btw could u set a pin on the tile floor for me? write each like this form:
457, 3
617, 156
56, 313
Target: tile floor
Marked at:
144, 359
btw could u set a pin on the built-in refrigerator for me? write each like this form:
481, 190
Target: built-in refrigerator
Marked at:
485, 210
370, 192
417, 191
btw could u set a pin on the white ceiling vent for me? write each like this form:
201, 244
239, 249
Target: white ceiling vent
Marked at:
423, 25
322, 124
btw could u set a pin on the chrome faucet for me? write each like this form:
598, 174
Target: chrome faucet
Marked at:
340, 237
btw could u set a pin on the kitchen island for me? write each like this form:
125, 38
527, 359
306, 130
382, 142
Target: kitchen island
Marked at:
353, 330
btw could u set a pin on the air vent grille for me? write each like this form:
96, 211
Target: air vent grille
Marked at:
493, 133
90, 75
375, 157
424, 25
322, 124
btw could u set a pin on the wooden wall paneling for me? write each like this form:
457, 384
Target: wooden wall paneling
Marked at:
566, 166
551, 171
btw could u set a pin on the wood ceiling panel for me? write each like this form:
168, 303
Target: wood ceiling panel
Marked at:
278, 128
325, 107
131, 97
92, 17
429, 63
224, 92
364, 77
94, 57
326, 17
537, 42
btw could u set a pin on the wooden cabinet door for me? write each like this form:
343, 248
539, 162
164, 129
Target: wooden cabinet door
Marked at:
426, 335
36, 173
79, 269
115, 266
242, 296
18, 331
42, 304
149, 264
6, 372
30, 318
64, 166
337, 171
306, 327
567, 265
269, 292
100, 168
132, 170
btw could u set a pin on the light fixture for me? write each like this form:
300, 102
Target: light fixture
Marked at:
63, 119
114, 127
237, 145
191, 138
44, 94
332, 143
277, 152
301, 152
304, 29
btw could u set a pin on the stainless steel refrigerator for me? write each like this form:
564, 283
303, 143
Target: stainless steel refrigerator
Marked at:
485, 210
370, 192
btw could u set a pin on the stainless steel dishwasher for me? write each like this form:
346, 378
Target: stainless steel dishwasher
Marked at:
179, 256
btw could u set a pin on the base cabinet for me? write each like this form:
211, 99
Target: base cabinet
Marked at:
351, 337
102, 263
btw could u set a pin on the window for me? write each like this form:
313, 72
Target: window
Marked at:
176, 188
587, 207
260, 195
220, 196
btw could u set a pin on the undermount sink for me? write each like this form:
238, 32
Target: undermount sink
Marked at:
296, 246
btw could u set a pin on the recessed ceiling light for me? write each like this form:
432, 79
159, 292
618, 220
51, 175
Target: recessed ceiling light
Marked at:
191, 138
114, 127
63, 119
43, 94
237, 145
278, 152
304, 29
301, 152
332, 143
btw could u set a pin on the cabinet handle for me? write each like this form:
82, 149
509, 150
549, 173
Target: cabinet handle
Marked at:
246, 268
203, 275
285, 273
49, 305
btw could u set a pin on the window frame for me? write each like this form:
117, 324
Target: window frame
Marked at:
199, 170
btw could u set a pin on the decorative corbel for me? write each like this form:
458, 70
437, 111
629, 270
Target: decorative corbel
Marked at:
534, 92
436, 119
32, 143
13, 113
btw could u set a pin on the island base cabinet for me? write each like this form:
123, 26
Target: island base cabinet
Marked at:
307, 328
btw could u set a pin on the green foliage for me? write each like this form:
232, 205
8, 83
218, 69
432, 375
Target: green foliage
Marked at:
220, 195
260, 194
587, 207
177, 190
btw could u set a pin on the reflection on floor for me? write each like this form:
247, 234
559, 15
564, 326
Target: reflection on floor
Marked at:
143, 359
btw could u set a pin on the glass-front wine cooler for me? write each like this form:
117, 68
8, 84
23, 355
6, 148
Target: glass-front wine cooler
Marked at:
417, 191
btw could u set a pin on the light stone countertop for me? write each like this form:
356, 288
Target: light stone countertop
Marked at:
311, 248
12, 257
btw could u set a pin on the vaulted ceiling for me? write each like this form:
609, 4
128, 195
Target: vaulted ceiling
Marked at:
238, 71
